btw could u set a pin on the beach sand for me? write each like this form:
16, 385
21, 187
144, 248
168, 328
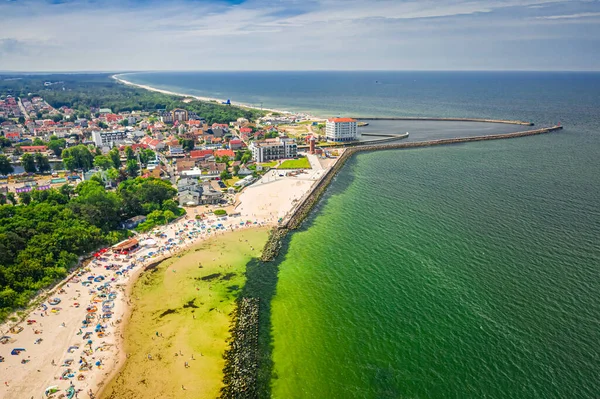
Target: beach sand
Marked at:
181, 314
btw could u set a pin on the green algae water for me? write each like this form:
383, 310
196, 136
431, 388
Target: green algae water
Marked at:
463, 271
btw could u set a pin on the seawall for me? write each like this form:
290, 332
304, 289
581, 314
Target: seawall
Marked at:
509, 122
303, 209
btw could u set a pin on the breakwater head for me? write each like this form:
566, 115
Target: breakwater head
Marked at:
508, 122
305, 206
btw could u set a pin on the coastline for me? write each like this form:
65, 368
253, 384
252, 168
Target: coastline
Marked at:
206, 99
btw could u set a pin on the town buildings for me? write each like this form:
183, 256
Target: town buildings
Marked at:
341, 129
191, 193
272, 149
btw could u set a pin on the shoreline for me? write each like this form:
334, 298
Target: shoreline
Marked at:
207, 99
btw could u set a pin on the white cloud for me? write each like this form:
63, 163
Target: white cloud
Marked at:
571, 16
272, 34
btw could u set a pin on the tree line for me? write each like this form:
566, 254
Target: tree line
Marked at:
43, 236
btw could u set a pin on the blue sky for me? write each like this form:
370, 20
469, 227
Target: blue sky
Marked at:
78, 35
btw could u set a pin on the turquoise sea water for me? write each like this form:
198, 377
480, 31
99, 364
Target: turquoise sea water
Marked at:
463, 271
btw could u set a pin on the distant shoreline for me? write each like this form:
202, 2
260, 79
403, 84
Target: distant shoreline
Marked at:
118, 78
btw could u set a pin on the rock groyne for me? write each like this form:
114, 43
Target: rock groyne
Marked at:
241, 359
303, 209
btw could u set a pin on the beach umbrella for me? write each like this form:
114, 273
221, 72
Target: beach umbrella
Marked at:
17, 351
51, 390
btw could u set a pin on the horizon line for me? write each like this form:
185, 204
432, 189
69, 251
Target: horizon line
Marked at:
119, 72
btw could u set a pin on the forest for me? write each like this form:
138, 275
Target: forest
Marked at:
43, 237
85, 91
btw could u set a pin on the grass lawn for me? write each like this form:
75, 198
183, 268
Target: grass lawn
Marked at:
300, 163
231, 182
271, 164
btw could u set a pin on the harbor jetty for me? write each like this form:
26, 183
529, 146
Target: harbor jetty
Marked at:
508, 122
303, 209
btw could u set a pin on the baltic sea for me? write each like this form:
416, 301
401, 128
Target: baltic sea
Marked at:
462, 271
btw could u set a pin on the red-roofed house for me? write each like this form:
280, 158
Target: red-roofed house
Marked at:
223, 153
235, 144
200, 153
34, 148
13, 136
246, 130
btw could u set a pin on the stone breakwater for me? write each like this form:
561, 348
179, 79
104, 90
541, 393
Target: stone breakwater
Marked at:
303, 209
449, 120
241, 359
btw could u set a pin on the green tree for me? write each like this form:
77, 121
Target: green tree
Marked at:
129, 153
21, 120
2, 199
42, 162
103, 162
11, 197
102, 125
115, 157
4, 142
57, 145
112, 174
124, 122
67, 190
28, 163
78, 157
25, 198
225, 175
38, 141
236, 170
187, 144
147, 155
57, 118
132, 167
5, 166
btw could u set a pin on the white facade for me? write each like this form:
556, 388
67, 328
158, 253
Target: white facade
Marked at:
102, 139
341, 129
271, 149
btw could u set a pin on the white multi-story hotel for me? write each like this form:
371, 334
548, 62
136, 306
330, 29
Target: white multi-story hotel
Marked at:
271, 149
341, 129
102, 139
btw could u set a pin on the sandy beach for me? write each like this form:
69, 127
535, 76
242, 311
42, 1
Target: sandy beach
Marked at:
118, 78
60, 350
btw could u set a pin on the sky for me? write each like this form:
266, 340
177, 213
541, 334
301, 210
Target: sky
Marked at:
138, 35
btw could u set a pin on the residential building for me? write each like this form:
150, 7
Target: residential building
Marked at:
192, 193
341, 129
34, 148
180, 115
271, 149
235, 144
166, 117
102, 139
